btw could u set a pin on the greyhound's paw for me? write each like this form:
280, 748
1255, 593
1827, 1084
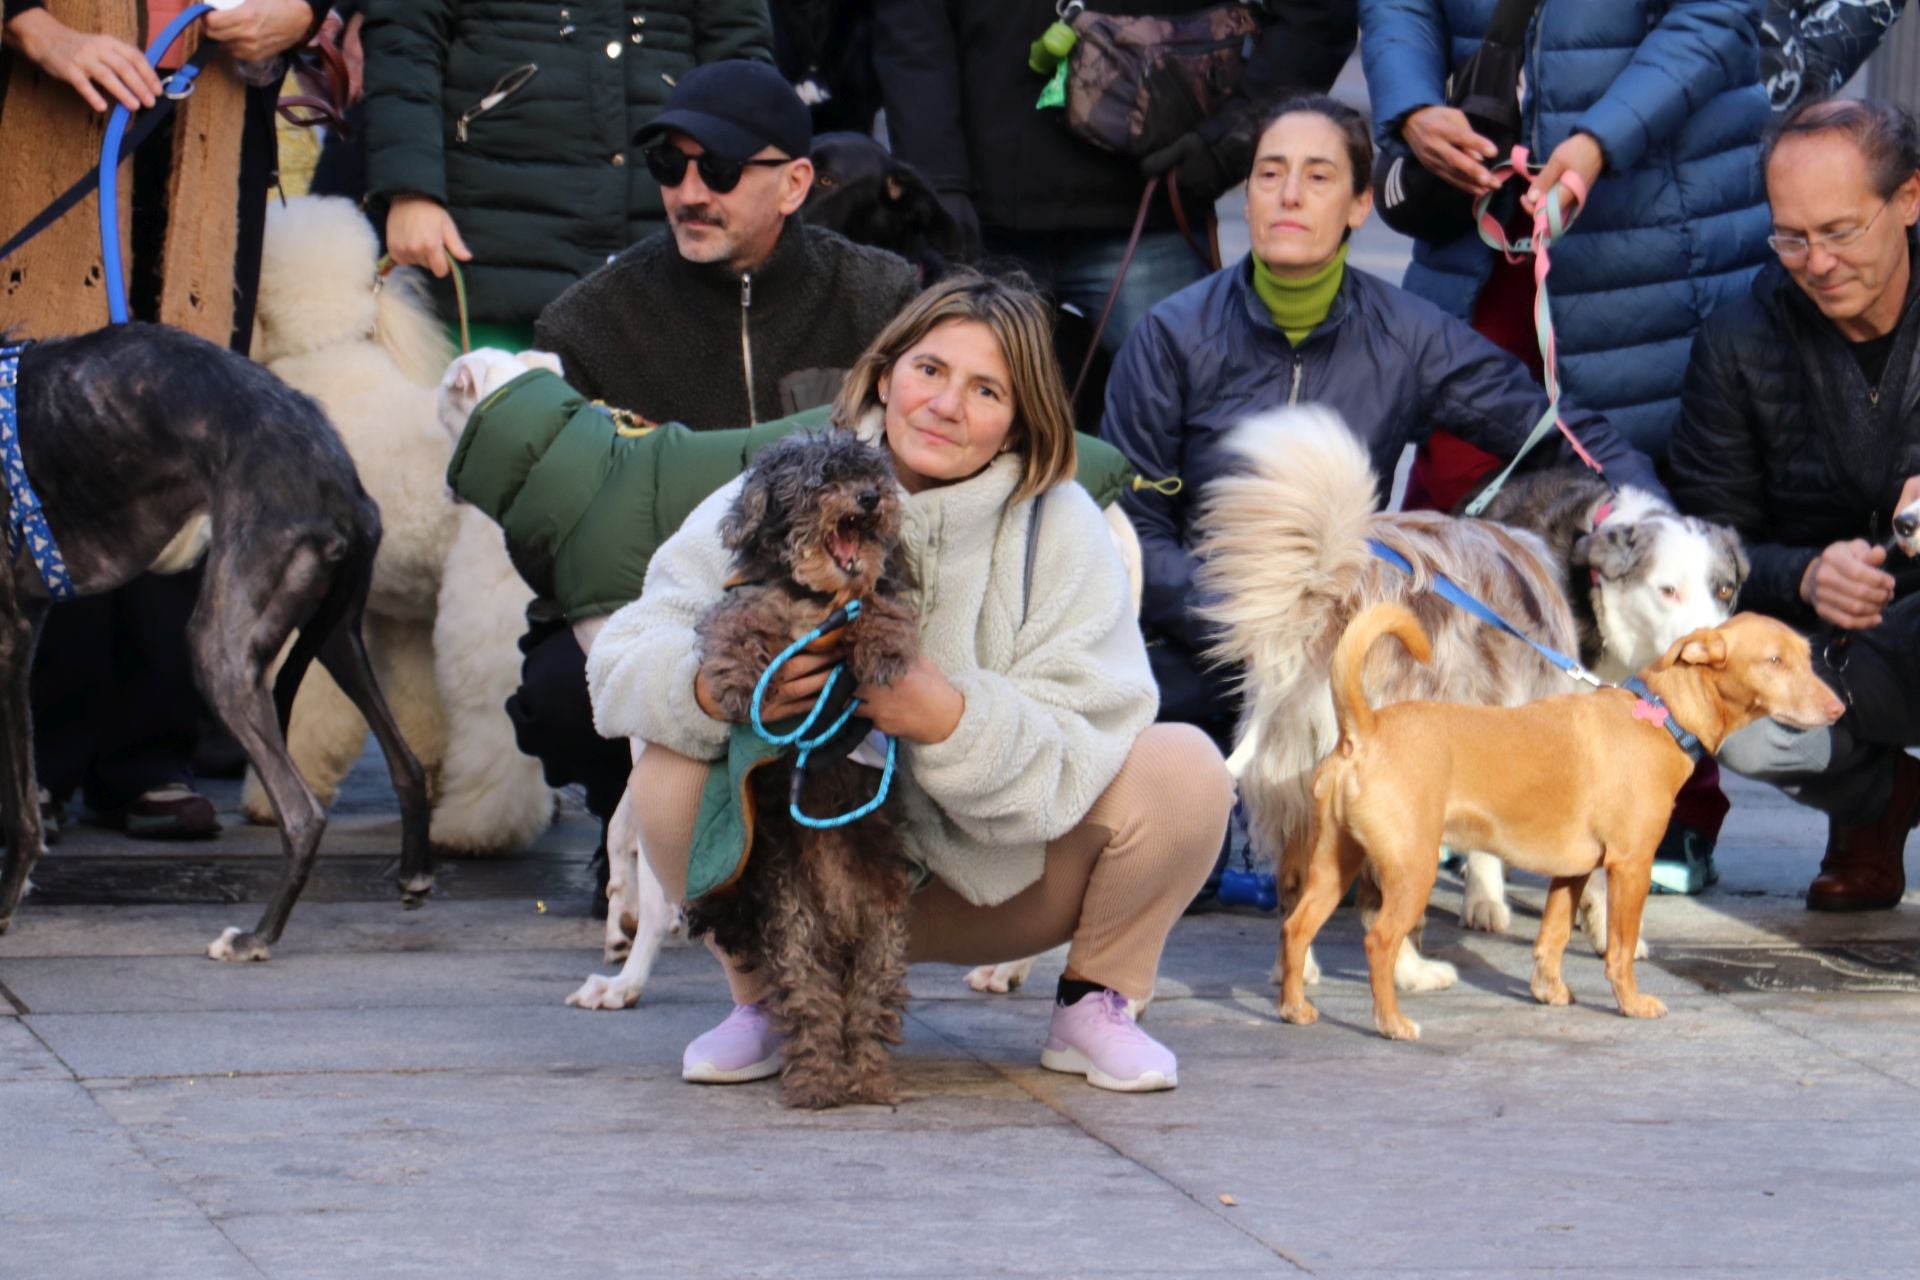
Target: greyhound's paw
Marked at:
1484, 913
1300, 1014
414, 891
1415, 972
232, 944
1552, 990
1397, 1027
1644, 1006
1001, 978
602, 992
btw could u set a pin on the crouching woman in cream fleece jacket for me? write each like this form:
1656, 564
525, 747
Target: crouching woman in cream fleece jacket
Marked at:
1039, 796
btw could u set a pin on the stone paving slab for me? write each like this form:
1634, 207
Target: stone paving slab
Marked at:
409, 1097
78, 1197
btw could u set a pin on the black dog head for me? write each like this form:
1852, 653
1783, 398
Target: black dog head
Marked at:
820, 509
870, 197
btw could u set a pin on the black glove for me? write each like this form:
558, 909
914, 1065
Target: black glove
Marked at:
1193, 162
959, 205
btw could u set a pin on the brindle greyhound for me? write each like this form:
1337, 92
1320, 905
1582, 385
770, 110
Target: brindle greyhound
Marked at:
146, 444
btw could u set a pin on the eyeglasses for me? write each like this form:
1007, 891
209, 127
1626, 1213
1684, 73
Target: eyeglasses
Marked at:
668, 165
1796, 248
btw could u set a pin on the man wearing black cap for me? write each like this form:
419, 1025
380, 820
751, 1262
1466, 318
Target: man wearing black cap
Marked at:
738, 312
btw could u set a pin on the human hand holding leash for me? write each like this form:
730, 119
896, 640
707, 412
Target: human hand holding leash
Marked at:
260, 28
1446, 145
86, 60
421, 233
921, 706
1846, 586
1579, 155
801, 679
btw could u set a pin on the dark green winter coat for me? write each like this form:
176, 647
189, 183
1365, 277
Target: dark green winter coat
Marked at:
545, 184
584, 504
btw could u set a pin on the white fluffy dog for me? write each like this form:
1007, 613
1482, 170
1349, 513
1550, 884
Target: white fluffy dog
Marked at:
639, 915
446, 606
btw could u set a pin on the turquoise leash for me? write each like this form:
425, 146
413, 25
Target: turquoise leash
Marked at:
800, 735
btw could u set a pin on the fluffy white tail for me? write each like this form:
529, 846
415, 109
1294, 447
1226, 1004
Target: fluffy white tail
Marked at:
1284, 539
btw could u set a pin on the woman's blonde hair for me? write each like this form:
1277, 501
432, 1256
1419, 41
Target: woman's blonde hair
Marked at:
1042, 430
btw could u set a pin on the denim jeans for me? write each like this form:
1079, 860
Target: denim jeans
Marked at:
1078, 267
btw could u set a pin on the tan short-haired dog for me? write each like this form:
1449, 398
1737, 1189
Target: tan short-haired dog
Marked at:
1560, 787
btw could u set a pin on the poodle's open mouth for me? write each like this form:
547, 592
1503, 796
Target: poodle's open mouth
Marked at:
844, 544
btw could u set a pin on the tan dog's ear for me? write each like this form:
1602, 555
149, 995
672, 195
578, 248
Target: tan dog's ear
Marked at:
1706, 648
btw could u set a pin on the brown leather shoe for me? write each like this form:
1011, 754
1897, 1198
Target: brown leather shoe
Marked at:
1865, 866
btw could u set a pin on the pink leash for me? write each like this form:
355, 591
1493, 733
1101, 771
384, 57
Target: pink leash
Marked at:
1548, 226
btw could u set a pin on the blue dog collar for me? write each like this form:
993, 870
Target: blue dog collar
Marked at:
1654, 711
25, 520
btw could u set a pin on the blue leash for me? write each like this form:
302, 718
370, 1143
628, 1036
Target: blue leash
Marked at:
1652, 709
800, 735
26, 521
178, 85
1448, 590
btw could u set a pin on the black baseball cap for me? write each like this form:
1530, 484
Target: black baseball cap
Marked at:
733, 109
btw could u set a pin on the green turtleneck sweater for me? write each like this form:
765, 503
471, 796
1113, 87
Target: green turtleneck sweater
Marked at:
1297, 306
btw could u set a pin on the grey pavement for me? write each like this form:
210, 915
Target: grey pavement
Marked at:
403, 1093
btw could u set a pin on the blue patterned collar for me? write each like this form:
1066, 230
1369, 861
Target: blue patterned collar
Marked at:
26, 522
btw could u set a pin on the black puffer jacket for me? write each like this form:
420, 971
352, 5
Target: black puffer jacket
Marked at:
696, 343
544, 183
1782, 437
960, 104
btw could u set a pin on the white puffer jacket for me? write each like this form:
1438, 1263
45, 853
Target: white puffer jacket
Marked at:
1053, 703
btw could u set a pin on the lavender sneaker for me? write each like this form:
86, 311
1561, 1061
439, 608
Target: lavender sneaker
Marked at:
1097, 1038
744, 1047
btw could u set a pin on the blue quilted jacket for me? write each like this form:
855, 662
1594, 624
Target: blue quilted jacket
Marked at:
1678, 221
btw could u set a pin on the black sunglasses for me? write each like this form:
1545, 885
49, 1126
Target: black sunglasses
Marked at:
668, 165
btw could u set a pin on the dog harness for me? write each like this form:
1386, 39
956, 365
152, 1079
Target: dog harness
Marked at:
803, 737
1651, 709
26, 522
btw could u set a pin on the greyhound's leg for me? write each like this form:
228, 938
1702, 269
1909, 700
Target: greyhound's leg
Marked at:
233, 645
344, 654
19, 628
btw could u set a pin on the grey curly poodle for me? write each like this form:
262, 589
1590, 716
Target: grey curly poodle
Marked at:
821, 910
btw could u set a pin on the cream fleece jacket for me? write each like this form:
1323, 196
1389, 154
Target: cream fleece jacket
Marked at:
1053, 704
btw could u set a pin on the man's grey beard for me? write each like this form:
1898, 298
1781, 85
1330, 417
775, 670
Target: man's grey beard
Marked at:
714, 249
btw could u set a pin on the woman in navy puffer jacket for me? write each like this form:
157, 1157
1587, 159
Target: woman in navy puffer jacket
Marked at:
1677, 221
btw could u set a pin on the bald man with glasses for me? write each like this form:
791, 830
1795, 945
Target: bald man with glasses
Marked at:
1800, 427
